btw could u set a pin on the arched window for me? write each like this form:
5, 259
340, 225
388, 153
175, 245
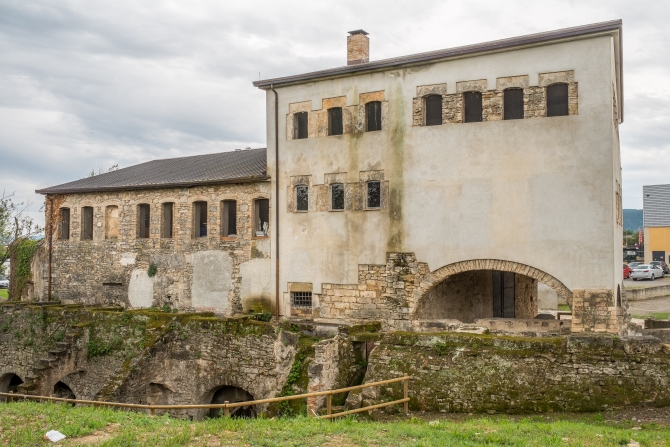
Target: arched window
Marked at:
513, 104
300, 125
143, 220
472, 103
302, 198
64, 232
335, 121
373, 116
557, 100
433, 107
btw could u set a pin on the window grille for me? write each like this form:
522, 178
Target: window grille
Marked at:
513, 104
229, 218
64, 223
335, 121
168, 213
373, 116
433, 104
337, 196
261, 216
300, 123
143, 221
374, 199
472, 102
87, 223
557, 100
301, 299
301, 198
200, 219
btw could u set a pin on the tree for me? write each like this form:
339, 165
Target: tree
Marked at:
14, 224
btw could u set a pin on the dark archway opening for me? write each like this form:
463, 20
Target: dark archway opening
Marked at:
469, 296
232, 394
9, 383
63, 391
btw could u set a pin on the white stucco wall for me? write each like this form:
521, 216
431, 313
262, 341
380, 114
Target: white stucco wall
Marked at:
536, 191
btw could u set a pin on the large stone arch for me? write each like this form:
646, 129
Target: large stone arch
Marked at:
435, 277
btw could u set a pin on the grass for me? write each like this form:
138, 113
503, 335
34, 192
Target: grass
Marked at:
24, 424
4, 294
564, 307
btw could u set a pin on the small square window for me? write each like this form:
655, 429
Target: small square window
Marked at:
374, 196
301, 299
301, 198
337, 196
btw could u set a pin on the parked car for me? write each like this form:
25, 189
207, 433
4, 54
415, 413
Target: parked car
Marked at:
663, 265
4, 283
626, 271
645, 271
632, 265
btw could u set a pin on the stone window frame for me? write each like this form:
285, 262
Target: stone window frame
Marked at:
253, 214
221, 218
330, 189
291, 202
523, 106
561, 77
330, 179
163, 202
301, 287
82, 207
61, 233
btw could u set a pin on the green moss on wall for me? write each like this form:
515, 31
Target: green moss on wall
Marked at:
22, 256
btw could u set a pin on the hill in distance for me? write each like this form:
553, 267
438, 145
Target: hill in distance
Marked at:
632, 219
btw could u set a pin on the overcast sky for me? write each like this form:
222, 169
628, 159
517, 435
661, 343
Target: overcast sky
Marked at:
87, 84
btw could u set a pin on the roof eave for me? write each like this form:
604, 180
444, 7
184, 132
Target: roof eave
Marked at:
251, 179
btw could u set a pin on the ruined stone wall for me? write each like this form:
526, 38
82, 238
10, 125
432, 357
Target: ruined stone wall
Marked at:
471, 373
464, 297
142, 356
211, 273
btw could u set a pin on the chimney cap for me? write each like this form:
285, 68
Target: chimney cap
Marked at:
358, 31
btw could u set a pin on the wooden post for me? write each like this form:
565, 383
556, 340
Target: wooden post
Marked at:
11, 398
329, 400
226, 411
406, 387
153, 410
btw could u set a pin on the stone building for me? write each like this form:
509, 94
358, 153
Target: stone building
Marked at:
444, 186
189, 233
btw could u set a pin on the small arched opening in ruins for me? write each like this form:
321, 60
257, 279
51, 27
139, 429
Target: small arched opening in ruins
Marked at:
473, 290
9, 383
63, 391
232, 394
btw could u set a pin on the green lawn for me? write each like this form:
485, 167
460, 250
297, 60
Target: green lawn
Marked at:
654, 315
4, 294
24, 424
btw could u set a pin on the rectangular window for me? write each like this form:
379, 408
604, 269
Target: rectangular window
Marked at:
335, 121
472, 102
374, 195
557, 100
513, 104
168, 220
301, 299
337, 196
229, 218
112, 222
64, 224
143, 220
300, 125
301, 198
373, 116
261, 216
200, 219
87, 223
433, 105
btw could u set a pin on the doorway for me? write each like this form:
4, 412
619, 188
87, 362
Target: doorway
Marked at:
503, 294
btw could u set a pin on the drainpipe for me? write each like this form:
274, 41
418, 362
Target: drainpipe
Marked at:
276, 201
51, 235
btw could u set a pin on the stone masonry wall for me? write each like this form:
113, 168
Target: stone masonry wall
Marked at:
126, 356
211, 273
480, 373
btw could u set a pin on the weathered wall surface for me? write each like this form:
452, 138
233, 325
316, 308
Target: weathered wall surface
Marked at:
193, 273
142, 356
480, 373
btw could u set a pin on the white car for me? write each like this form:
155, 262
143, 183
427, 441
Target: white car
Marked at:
646, 271
4, 284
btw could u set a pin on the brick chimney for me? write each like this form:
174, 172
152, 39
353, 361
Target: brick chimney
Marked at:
358, 47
